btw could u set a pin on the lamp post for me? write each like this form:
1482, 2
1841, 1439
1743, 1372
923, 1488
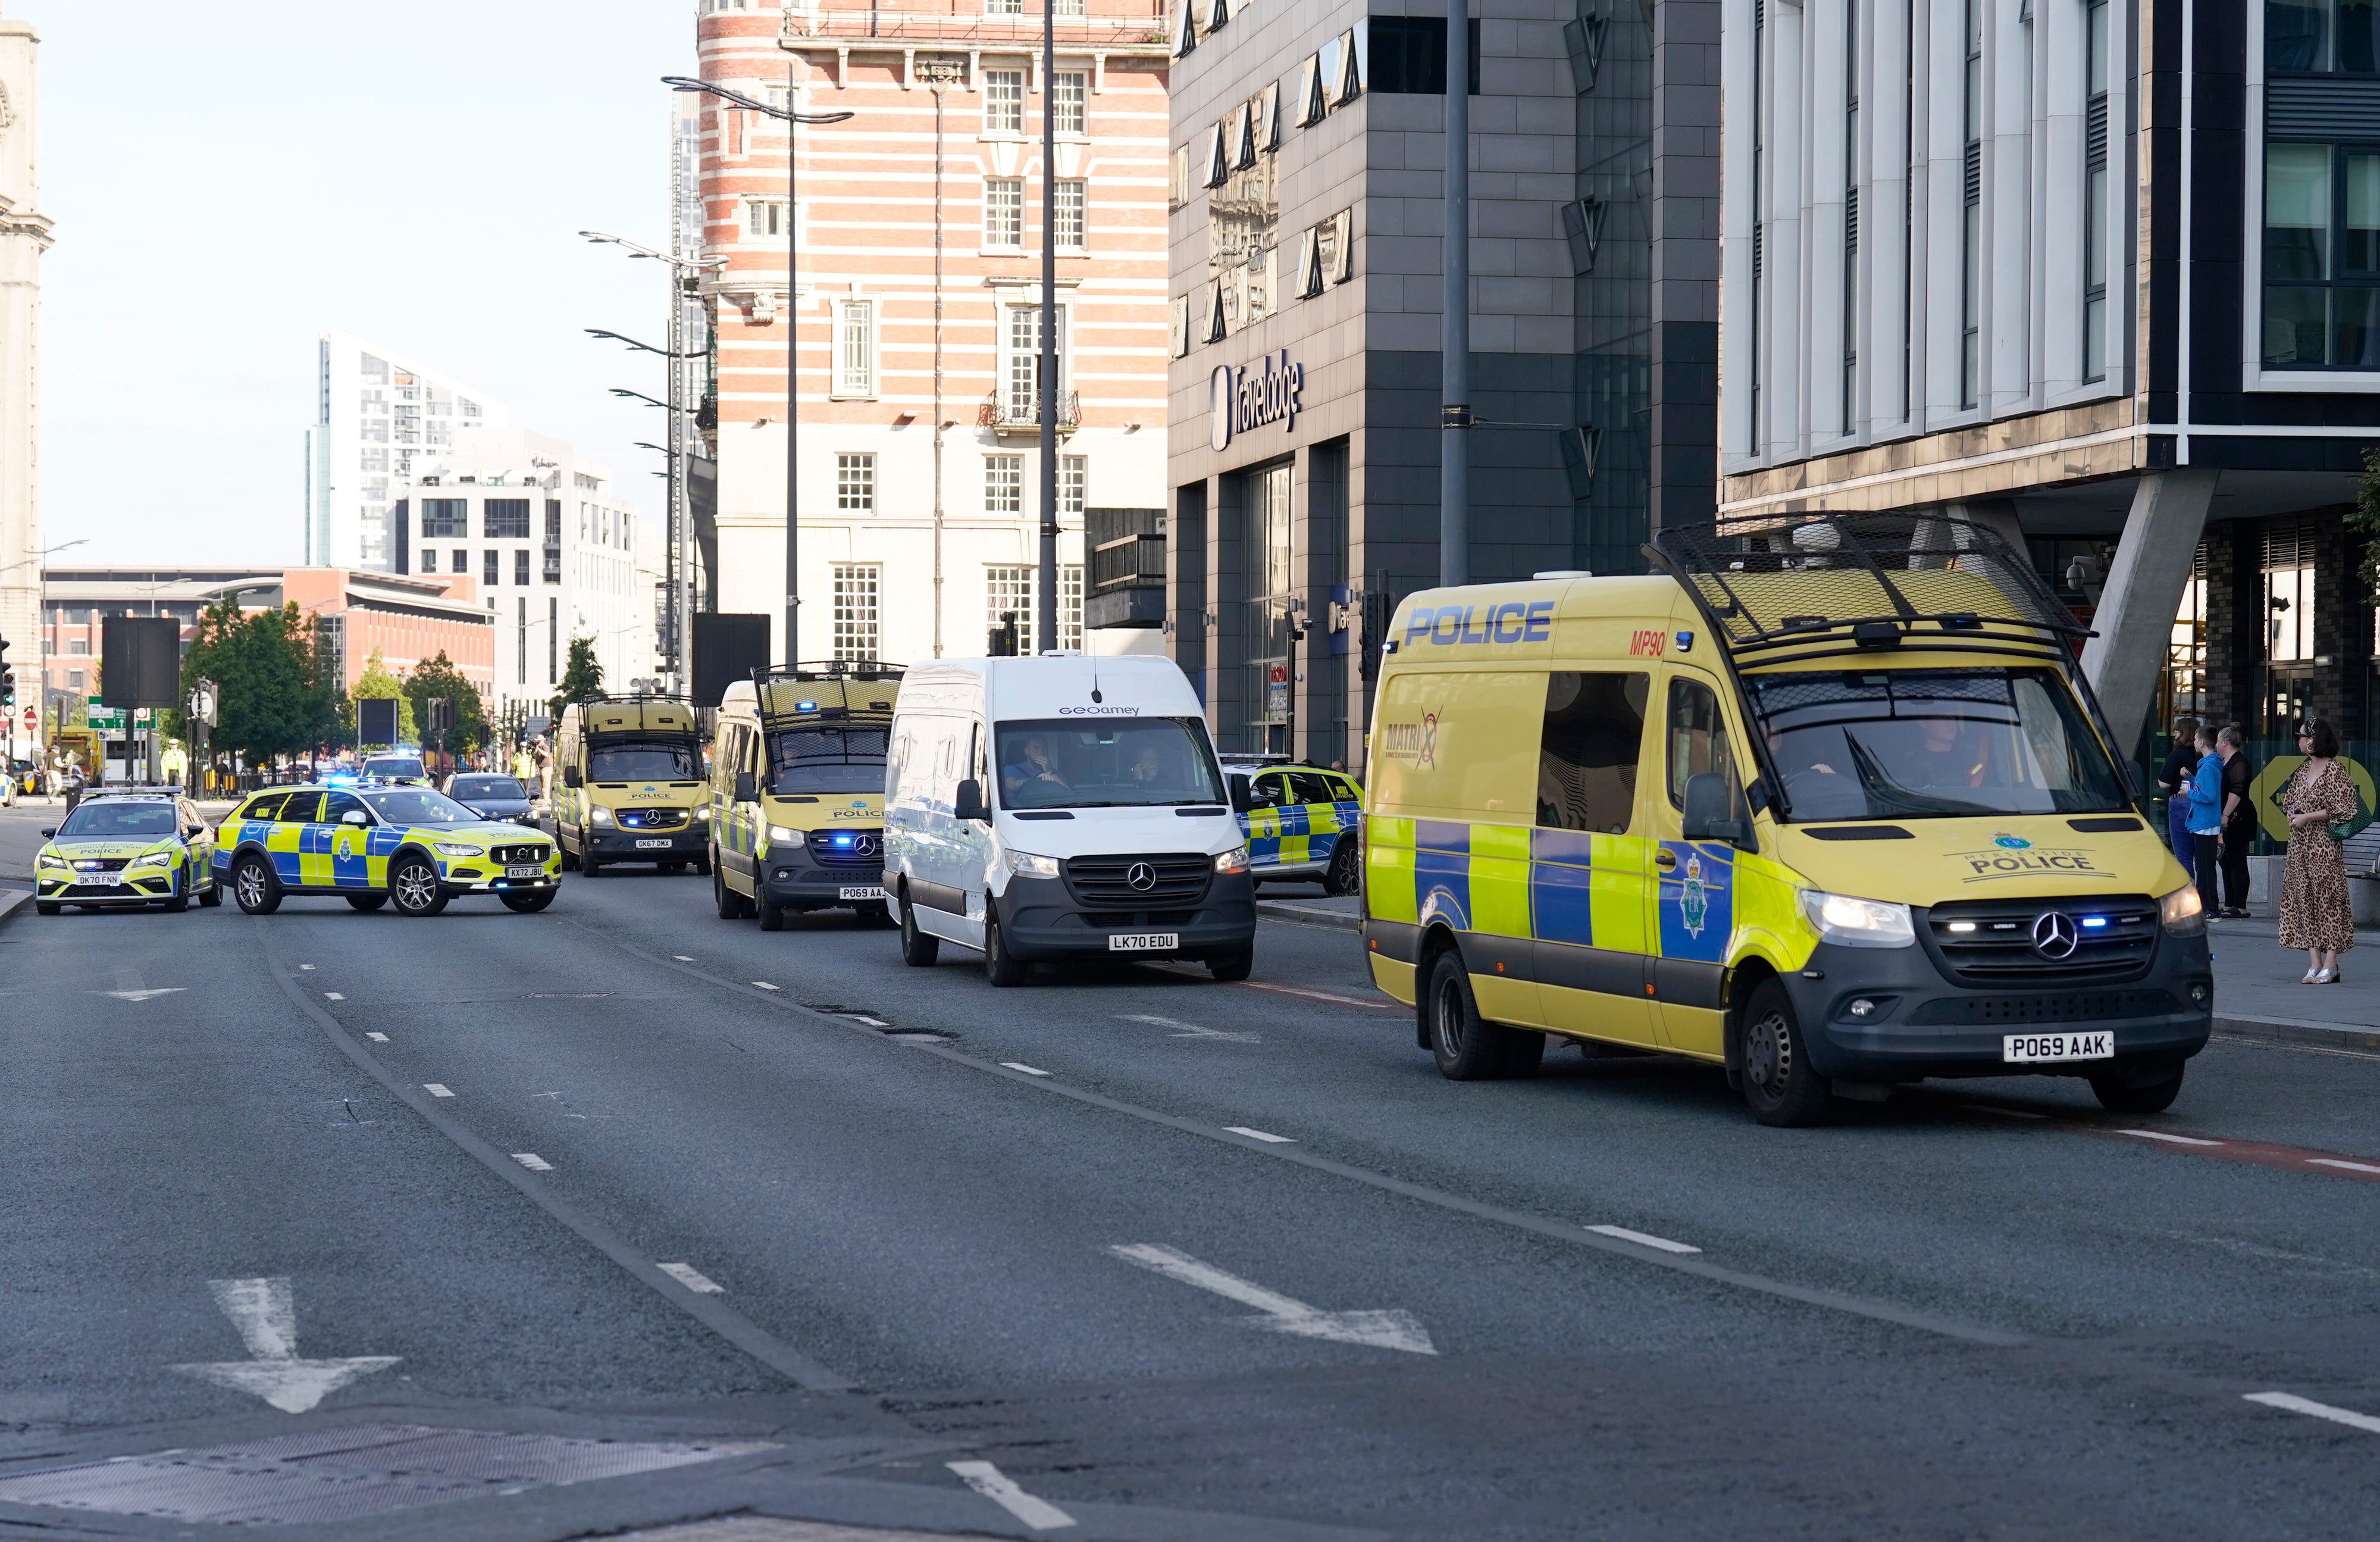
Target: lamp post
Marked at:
679, 572
786, 116
1045, 619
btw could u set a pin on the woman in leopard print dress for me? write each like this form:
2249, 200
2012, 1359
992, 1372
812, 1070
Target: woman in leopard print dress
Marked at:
2315, 914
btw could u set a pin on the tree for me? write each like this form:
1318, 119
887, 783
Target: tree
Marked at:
581, 677
438, 677
376, 684
277, 693
2364, 519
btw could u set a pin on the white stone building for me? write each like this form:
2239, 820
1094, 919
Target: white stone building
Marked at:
378, 417
553, 547
24, 234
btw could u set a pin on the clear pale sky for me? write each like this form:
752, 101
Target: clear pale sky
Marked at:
229, 180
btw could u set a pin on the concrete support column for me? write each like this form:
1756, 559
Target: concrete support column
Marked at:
2143, 594
1997, 515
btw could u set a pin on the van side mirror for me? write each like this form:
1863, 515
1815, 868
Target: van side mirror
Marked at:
570, 777
969, 804
1710, 812
48, 831
746, 789
1241, 800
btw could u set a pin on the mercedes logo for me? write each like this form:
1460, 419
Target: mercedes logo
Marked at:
864, 845
1140, 875
2054, 936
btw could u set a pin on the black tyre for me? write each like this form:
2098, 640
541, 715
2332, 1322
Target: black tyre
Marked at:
702, 864
919, 950
670, 866
46, 908
1232, 967
212, 895
873, 915
254, 885
772, 914
366, 902
180, 899
413, 884
1779, 1084
569, 857
1001, 966
727, 902
528, 904
1345, 874
589, 866
1466, 1046
2118, 1093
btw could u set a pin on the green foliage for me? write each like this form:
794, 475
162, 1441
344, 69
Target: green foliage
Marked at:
277, 693
2364, 520
438, 677
581, 677
376, 684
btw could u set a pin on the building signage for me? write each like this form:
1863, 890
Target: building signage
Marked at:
1238, 401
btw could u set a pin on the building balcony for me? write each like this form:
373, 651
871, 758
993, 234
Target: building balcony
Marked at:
964, 21
1009, 416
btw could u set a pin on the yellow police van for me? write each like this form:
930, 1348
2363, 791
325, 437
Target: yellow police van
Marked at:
631, 786
1829, 803
797, 791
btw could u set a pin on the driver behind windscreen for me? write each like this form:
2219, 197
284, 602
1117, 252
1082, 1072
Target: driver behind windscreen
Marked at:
1944, 759
1037, 766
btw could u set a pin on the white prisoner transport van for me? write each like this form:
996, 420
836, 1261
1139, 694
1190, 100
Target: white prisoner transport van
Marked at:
1062, 808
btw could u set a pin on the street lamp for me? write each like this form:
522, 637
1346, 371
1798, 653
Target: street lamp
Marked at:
679, 576
789, 118
618, 338
623, 391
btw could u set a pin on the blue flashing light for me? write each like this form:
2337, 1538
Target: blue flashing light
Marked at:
842, 840
2095, 920
805, 706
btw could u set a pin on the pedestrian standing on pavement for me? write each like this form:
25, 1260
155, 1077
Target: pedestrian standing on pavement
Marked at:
2174, 783
2203, 796
2238, 818
2320, 800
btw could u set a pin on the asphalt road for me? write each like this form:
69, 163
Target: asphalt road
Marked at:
1045, 1230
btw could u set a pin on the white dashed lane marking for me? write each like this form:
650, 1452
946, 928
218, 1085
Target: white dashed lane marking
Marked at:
376, 1037
436, 1089
1002, 1490
694, 1279
766, 986
531, 1160
682, 958
1020, 1065
2343, 1164
1644, 1239
2290, 1402
2168, 1138
1266, 1138
332, 996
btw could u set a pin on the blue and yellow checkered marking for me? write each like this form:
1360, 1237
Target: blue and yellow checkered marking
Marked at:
1298, 834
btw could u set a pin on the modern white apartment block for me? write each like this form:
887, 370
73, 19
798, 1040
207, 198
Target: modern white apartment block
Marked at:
554, 550
378, 417
917, 304
24, 236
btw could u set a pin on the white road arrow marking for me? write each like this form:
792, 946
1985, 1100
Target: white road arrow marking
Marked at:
1383, 1330
141, 995
1002, 1490
266, 1315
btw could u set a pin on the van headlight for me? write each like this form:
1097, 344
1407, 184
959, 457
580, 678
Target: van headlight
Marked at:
154, 859
1232, 861
52, 859
2182, 913
780, 836
1024, 863
1855, 923
599, 815
703, 812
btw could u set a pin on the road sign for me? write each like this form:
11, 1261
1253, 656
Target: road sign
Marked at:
110, 717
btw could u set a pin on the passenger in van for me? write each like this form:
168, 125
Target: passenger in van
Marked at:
1037, 766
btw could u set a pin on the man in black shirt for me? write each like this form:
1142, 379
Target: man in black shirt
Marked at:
2174, 783
2238, 818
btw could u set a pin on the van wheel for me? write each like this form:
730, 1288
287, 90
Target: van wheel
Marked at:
180, 899
1466, 1046
1345, 875
254, 884
2119, 1094
703, 863
569, 857
413, 884
919, 950
212, 895
365, 903
1233, 967
590, 866
727, 902
1779, 1084
1001, 966
772, 914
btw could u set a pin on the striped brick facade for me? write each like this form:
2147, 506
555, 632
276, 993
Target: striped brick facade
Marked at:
864, 312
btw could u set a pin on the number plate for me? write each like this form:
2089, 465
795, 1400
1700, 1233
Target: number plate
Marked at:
103, 879
1143, 942
860, 891
524, 872
653, 845
2021, 1049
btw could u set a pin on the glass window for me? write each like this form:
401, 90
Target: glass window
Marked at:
2095, 193
1072, 216
828, 760
1697, 742
338, 805
855, 348
118, 818
520, 566
855, 483
491, 787
1063, 763
492, 569
1593, 736
1003, 485
1309, 787
1931, 743
462, 563
302, 809
1073, 480
445, 516
641, 761
1003, 212
266, 808
417, 805
429, 559
1268, 791
2306, 37
504, 518
2322, 257
1008, 589
1004, 102
856, 586
1074, 87
768, 218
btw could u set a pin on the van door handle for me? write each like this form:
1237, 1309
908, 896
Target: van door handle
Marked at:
1665, 858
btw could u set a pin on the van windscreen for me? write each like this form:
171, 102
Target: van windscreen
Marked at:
828, 760
1931, 742
642, 761
1117, 763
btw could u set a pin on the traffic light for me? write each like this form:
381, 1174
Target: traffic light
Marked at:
7, 678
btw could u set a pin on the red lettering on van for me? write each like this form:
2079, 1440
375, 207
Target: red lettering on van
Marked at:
1647, 644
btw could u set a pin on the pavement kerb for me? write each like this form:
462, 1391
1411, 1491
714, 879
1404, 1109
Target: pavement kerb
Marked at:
1309, 915
2284, 1030
12, 900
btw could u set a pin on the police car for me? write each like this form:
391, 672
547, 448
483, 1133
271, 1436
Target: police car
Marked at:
131, 847
1303, 823
374, 843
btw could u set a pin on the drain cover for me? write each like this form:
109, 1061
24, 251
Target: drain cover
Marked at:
338, 1474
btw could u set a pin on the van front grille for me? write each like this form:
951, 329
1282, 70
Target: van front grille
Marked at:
1171, 879
651, 818
864, 848
2020, 942
537, 853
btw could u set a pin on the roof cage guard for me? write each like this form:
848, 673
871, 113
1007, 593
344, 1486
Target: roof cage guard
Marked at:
626, 699
829, 669
875, 721
1835, 583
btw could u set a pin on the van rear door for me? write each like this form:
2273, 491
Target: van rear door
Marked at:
1589, 855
